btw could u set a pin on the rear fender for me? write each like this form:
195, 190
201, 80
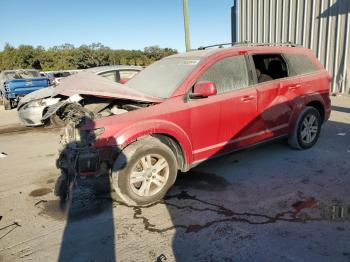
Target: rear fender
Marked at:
301, 104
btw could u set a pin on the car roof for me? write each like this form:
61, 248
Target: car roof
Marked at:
272, 48
101, 69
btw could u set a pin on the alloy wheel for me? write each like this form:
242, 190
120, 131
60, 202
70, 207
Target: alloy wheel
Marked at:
309, 129
149, 175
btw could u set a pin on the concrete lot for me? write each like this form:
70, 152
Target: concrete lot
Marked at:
270, 203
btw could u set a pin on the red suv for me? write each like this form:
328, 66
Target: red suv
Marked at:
190, 107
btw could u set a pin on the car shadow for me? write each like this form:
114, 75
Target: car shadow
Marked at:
341, 109
219, 214
89, 233
205, 214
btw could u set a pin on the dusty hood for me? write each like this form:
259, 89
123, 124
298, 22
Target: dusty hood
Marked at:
88, 83
39, 94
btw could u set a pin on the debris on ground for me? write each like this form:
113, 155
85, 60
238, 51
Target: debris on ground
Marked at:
3, 155
40, 201
15, 224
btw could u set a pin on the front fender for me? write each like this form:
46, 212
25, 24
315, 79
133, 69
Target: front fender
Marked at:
137, 130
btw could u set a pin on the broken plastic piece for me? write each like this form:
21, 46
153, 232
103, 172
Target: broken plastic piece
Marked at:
3, 155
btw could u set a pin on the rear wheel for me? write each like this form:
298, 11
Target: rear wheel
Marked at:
144, 172
307, 129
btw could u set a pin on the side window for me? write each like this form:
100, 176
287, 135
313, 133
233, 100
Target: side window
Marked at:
127, 74
300, 64
228, 74
109, 75
270, 67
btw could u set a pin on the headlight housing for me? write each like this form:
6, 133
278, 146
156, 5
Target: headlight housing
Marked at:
80, 138
42, 102
36, 103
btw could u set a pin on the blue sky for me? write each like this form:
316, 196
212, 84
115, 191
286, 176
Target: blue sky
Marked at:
129, 24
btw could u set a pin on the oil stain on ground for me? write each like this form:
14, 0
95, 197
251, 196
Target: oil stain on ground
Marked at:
294, 215
40, 192
201, 180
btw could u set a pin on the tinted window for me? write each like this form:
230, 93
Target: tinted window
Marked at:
19, 74
228, 74
270, 67
300, 64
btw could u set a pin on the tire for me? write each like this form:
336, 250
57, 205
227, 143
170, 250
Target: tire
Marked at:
304, 137
149, 186
7, 104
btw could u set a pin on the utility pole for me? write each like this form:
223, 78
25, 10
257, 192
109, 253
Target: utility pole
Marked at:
187, 26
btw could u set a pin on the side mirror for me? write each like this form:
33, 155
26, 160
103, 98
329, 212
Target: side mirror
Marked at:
203, 89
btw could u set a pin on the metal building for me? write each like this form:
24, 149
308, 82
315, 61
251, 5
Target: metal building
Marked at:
322, 25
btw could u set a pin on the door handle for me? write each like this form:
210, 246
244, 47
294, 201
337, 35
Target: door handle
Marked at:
247, 98
294, 87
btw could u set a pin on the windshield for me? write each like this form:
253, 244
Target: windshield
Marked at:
163, 77
19, 74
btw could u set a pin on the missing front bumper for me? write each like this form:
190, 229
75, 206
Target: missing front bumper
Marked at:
86, 162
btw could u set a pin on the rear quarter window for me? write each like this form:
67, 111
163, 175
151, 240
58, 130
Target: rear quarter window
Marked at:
299, 64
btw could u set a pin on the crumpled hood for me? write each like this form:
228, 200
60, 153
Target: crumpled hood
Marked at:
88, 83
39, 94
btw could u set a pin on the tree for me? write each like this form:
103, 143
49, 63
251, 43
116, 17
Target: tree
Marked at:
67, 56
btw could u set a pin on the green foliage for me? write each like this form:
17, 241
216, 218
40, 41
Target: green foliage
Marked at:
67, 56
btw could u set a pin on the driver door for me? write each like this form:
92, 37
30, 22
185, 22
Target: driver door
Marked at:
220, 123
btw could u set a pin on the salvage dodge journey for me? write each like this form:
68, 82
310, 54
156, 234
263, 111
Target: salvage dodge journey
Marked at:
190, 107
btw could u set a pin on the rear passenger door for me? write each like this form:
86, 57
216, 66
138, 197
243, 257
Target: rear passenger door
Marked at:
276, 92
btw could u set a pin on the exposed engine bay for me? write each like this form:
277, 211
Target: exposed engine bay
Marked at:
76, 108
76, 155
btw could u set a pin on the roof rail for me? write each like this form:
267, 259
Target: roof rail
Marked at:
247, 43
221, 45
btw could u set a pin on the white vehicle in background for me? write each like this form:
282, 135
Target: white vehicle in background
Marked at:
33, 107
56, 76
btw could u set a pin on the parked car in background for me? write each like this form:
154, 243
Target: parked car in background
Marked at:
56, 76
14, 84
190, 107
33, 107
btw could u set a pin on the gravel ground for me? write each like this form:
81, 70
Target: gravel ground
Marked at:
269, 203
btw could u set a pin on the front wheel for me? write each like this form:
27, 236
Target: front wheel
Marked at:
307, 129
143, 172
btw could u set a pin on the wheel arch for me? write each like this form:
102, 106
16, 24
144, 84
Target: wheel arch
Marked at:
319, 106
168, 133
175, 146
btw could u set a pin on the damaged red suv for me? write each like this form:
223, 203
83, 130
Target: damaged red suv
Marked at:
190, 107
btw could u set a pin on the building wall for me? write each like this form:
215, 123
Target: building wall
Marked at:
322, 25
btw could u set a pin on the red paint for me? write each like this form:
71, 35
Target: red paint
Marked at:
204, 89
307, 203
222, 123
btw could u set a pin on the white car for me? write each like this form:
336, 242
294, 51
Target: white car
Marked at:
34, 106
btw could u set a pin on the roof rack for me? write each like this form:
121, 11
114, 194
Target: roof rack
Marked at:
247, 43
